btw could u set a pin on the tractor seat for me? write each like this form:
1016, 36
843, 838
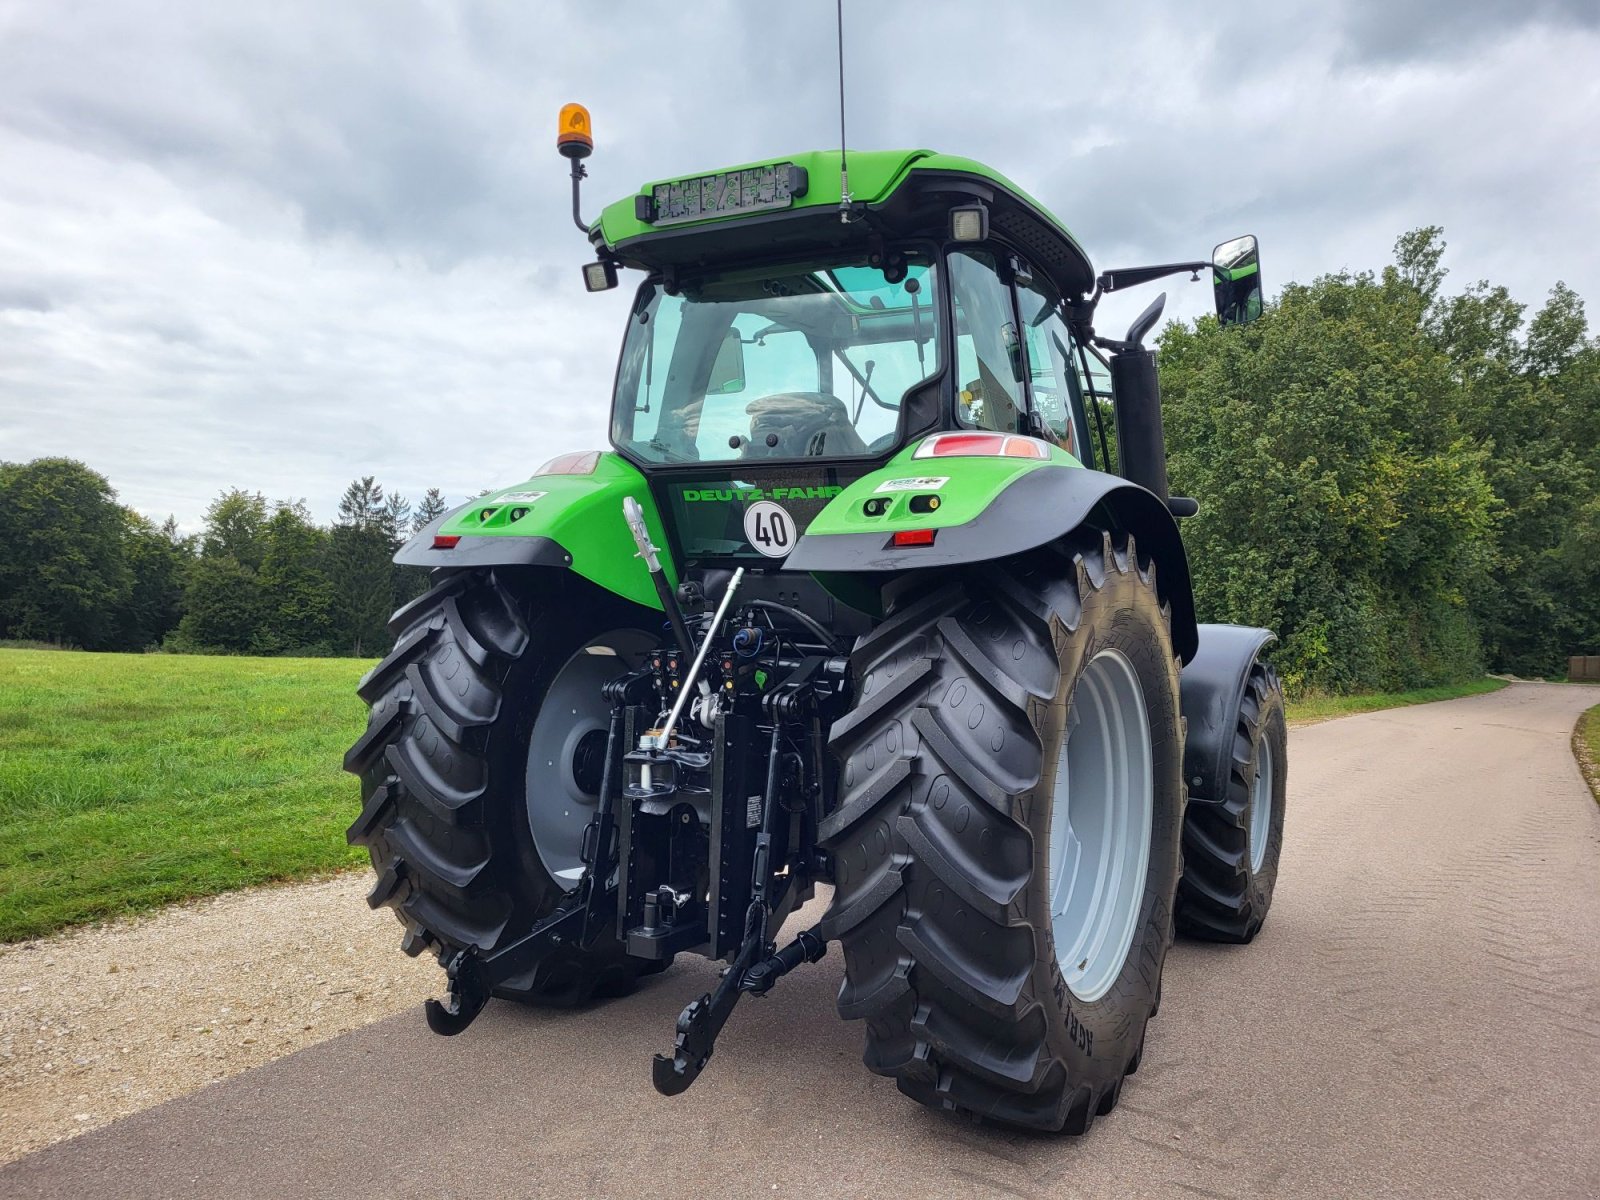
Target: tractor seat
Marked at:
805, 424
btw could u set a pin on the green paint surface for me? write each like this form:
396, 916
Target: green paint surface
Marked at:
583, 514
874, 175
970, 486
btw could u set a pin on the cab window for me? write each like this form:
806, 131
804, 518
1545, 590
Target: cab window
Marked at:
786, 362
989, 358
1053, 371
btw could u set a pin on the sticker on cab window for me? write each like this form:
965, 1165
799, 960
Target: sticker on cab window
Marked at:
923, 483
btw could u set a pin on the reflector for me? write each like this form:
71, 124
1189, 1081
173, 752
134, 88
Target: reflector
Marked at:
579, 462
982, 445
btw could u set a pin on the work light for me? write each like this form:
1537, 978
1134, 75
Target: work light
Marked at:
600, 276
969, 223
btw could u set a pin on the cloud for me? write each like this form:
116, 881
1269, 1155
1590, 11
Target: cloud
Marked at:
277, 247
1450, 29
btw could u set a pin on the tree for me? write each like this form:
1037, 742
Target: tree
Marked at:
1557, 335
1417, 256
63, 569
158, 558
364, 540
297, 595
1400, 480
361, 506
396, 516
1342, 502
222, 605
235, 526
429, 509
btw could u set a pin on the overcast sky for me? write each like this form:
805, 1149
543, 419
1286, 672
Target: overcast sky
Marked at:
281, 245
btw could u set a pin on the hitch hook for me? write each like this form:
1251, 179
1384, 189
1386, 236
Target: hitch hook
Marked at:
468, 995
703, 1019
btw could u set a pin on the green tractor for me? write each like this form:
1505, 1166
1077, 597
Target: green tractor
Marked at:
865, 594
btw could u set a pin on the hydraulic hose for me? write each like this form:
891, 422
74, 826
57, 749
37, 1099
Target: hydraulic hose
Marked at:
822, 634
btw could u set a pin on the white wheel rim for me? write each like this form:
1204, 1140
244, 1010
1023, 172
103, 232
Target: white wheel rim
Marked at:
571, 711
1100, 822
1261, 807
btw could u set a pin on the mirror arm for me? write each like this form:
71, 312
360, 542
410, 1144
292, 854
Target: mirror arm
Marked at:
1126, 277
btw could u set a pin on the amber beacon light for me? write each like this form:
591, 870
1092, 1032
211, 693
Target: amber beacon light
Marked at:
575, 134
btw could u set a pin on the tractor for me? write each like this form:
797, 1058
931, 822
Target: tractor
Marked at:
880, 587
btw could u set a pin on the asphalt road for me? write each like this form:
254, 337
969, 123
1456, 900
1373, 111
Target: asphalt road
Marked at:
1419, 1017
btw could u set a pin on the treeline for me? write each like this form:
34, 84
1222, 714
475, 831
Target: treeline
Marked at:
1405, 483
78, 569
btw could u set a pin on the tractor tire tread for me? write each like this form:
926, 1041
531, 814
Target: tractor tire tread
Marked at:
1216, 899
931, 850
435, 699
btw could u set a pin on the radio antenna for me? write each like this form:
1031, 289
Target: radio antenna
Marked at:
844, 170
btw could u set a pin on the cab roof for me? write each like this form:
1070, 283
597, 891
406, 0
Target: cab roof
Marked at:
904, 193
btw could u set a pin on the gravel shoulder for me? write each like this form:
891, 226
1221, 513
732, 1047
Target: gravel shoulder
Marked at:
103, 1022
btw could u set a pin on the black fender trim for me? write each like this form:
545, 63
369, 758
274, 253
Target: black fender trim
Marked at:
480, 551
1039, 507
1211, 689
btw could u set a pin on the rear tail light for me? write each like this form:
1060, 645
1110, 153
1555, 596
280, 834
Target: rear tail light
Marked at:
445, 541
581, 462
914, 537
982, 445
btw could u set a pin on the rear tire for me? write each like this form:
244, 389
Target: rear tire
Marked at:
1231, 846
444, 769
951, 763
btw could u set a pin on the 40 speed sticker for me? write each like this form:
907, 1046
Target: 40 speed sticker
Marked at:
769, 528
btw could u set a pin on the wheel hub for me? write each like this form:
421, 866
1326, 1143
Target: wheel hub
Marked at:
1100, 823
589, 763
1261, 807
567, 746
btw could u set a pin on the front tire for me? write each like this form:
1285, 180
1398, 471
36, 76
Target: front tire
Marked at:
465, 831
955, 769
1231, 845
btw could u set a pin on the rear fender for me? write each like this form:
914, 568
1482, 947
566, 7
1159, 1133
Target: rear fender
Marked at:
988, 509
568, 522
1211, 691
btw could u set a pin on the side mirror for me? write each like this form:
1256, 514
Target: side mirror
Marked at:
727, 373
1236, 280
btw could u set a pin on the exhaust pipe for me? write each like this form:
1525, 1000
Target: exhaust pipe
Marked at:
1141, 440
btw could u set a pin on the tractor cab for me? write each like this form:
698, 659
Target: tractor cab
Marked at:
786, 341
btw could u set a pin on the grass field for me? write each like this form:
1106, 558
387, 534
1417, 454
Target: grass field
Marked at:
128, 781
1321, 708
1586, 745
